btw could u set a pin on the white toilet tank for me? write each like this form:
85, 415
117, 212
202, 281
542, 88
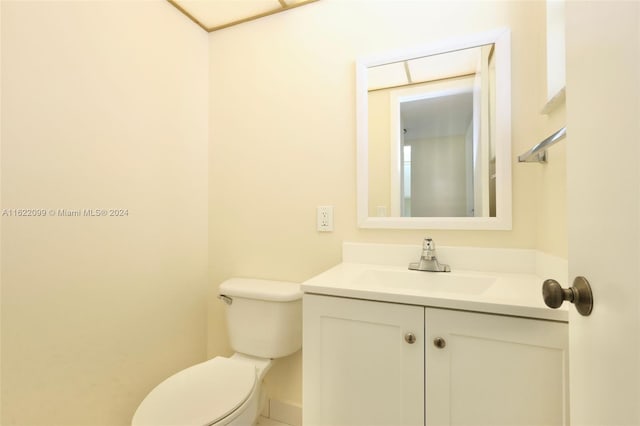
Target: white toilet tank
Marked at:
264, 317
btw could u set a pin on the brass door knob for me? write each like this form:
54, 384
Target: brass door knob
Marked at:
439, 342
579, 294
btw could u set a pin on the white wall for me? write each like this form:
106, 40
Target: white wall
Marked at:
283, 138
438, 172
104, 105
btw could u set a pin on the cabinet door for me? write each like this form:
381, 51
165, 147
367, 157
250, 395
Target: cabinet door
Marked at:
495, 370
358, 369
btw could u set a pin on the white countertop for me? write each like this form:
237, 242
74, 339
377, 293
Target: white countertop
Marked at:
504, 293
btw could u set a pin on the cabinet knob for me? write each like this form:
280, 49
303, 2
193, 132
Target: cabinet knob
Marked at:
410, 338
579, 294
439, 342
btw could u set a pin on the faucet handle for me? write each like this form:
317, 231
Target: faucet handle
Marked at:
428, 244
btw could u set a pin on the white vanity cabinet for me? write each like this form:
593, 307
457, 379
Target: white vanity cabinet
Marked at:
358, 369
378, 363
495, 370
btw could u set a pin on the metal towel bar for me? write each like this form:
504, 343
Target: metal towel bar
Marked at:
538, 154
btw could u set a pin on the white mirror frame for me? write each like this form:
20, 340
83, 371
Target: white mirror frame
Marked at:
502, 40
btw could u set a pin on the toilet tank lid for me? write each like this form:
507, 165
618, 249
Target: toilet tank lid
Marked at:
253, 288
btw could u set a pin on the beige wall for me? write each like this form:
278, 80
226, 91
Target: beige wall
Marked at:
282, 139
379, 151
551, 191
104, 105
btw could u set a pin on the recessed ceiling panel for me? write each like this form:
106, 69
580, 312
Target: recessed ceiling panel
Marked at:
446, 65
388, 75
216, 13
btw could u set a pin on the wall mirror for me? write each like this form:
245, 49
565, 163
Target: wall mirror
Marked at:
434, 135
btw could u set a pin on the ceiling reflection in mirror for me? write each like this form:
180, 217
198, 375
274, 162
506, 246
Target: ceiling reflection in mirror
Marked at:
434, 135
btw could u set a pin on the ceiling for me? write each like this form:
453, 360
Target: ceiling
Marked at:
213, 15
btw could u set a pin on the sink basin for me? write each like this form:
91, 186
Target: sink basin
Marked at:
439, 282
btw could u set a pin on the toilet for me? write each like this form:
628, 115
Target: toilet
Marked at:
264, 320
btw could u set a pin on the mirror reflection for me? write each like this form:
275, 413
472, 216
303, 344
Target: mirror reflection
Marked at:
434, 135
431, 135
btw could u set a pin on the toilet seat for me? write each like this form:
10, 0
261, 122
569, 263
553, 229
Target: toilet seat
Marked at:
198, 396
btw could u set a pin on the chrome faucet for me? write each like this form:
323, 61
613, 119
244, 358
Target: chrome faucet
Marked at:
428, 260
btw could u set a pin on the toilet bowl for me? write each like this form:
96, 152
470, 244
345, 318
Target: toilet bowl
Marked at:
264, 319
221, 391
